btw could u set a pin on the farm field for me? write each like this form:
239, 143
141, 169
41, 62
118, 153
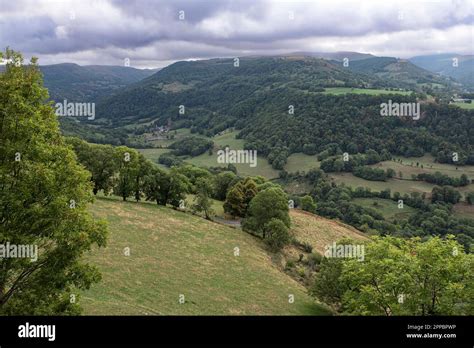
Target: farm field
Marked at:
345, 90
464, 210
469, 106
301, 162
388, 208
395, 185
153, 154
174, 253
429, 166
263, 168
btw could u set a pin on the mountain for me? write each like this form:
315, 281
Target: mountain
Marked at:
217, 84
394, 69
339, 56
459, 67
88, 83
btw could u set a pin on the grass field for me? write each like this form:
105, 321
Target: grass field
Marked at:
469, 106
228, 139
217, 206
301, 162
464, 210
319, 232
262, 168
153, 154
408, 167
395, 185
346, 90
174, 253
388, 208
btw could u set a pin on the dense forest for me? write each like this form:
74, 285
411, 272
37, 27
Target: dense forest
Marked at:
280, 107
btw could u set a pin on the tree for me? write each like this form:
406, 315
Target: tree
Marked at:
156, 186
327, 286
144, 167
202, 200
276, 234
179, 186
265, 206
403, 277
222, 183
249, 188
307, 203
128, 167
470, 198
445, 194
234, 203
99, 160
44, 197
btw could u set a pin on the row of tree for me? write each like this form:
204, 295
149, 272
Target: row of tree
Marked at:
442, 179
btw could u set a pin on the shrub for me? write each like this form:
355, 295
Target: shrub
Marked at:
276, 234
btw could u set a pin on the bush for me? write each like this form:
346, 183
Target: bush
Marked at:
290, 264
307, 204
276, 234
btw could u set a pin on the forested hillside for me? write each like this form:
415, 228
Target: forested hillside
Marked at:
88, 83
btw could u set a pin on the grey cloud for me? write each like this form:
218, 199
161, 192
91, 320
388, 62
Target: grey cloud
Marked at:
151, 30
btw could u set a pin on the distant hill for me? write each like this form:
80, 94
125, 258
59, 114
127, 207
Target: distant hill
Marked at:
443, 64
216, 84
339, 56
394, 69
88, 83
173, 253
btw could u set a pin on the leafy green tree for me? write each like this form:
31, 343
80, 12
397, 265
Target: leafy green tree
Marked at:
144, 167
222, 183
193, 173
327, 286
267, 205
179, 186
404, 277
202, 200
44, 194
445, 194
307, 203
128, 167
100, 160
156, 186
234, 203
470, 198
276, 234
250, 190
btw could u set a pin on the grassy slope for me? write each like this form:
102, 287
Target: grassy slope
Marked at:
319, 231
301, 162
469, 106
174, 253
388, 208
228, 139
345, 90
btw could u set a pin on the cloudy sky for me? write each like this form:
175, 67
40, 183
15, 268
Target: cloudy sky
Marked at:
156, 33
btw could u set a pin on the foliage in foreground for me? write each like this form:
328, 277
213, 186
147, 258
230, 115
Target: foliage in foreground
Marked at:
400, 277
44, 195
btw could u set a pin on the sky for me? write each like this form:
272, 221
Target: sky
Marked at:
153, 34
